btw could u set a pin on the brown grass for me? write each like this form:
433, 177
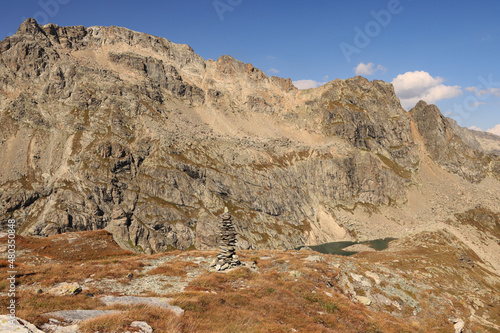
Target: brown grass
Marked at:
77, 246
241, 300
173, 268
71, 257
3, 263
30, 306
162, 320
483, 219
46, 275
270, 301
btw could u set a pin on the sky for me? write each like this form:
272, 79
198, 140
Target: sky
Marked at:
444, 52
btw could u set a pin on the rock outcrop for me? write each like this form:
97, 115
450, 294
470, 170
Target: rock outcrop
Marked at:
103, 127
8, 324
449, 145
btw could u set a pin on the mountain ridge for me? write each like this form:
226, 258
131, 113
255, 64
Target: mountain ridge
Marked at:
104, 127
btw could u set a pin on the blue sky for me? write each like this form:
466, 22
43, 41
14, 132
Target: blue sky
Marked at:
445, 52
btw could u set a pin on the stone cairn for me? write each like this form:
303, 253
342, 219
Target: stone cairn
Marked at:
227, 257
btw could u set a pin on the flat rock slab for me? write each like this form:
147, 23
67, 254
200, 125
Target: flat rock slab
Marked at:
314, 258
79, 315
154, 301
52, 328
17, 325
364, 300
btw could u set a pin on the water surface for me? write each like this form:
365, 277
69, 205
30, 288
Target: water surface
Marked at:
338, 247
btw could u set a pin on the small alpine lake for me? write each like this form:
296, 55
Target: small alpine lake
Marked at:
338, 247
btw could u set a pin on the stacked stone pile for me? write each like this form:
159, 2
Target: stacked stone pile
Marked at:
227, 257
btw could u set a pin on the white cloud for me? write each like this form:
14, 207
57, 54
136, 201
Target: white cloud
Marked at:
475, 128
368, 69
493, 91
306, 84
494, 130
273, 71
412, 87
476, 104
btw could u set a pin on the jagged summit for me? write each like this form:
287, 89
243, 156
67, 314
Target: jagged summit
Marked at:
104, 127
29, 26
108, 128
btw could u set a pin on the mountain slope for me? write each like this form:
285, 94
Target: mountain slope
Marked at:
403, 289
103, 127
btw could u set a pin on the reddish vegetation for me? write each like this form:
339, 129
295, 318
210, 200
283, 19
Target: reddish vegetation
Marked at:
161, 319
176, 268
275, 302
85, 245
288, 293
30, 305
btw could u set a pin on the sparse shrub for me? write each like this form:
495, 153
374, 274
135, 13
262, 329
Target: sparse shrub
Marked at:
214, 281
172, 268
239, 273
329, 307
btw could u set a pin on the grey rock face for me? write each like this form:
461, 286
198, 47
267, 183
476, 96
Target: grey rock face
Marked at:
450, 146
103, 127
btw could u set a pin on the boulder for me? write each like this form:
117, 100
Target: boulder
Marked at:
18, 325
65, 288
364, 300
143, 326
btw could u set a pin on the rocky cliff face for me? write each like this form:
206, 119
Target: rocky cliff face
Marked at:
103, 127
449, 145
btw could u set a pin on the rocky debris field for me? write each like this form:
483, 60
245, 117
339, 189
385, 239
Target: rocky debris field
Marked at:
430, 282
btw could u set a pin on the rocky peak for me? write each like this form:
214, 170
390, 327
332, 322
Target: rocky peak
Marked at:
446, 145
29, 26
104, 127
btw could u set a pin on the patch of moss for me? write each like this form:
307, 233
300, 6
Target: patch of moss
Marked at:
369, 208
76, 145
303, 227
264, 238
396, 168
135, 248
